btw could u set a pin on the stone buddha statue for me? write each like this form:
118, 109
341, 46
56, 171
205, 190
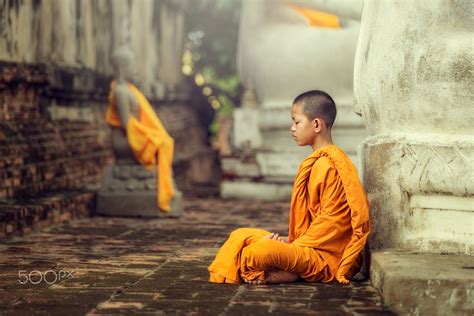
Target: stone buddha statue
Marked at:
127, 105
140, 183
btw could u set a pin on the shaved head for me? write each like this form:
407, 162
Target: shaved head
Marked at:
317, 104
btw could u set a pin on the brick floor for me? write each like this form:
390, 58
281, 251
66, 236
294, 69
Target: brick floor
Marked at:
142, 266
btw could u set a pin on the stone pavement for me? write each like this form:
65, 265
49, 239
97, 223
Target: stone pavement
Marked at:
103, 265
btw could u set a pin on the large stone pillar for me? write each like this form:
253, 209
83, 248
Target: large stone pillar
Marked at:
413, 85
279, 57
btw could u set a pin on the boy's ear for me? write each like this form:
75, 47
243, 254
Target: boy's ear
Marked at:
317, 125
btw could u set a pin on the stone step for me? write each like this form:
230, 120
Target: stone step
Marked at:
20, 217
424, 284
136, 204
260, 191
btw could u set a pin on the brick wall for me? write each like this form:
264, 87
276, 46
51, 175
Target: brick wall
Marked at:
55, 144
49, 164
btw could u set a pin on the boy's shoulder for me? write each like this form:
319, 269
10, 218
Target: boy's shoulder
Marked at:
322, 163
331, 157
321, 169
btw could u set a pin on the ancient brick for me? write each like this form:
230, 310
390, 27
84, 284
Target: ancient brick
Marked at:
9, 228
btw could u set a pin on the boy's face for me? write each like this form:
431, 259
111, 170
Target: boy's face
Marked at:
302, 129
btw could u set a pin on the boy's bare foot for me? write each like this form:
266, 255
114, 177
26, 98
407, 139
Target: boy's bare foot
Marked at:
275, 277
280, 276
256, 282
342, 280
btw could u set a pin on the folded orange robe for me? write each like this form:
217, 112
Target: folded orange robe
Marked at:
329, 226
151, 145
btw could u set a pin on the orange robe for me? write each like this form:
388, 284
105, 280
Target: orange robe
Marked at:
151, 145
328, 229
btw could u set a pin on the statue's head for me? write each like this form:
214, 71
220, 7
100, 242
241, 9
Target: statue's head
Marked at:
123, 62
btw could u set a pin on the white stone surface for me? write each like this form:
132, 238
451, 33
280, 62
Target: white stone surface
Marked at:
282, 165
448, 220
245, 130
291, 57
255, 190
424, 284
398, 167
233, 166
414, 87
275, 118
446, 202
413, 69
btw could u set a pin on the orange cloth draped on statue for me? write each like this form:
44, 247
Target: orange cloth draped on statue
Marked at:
150, 143
328, 228
317, 18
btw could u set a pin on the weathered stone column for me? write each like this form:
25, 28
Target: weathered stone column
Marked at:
413, 85
279, 57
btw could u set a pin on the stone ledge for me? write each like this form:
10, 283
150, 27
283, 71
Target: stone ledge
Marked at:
424, 284
18, 218
136, 204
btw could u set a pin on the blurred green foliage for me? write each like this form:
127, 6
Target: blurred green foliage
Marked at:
212, 34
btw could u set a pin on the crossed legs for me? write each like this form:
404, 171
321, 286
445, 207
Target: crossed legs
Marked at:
269, 261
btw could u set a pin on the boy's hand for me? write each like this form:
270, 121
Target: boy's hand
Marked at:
273, 236
276, 236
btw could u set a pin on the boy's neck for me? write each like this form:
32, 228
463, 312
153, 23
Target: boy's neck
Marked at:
322, 142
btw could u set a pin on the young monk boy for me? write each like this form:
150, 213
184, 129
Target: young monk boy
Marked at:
329, 217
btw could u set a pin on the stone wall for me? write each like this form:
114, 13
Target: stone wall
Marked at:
84, 33
46, 147
54, 78
414, 86
51, 156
